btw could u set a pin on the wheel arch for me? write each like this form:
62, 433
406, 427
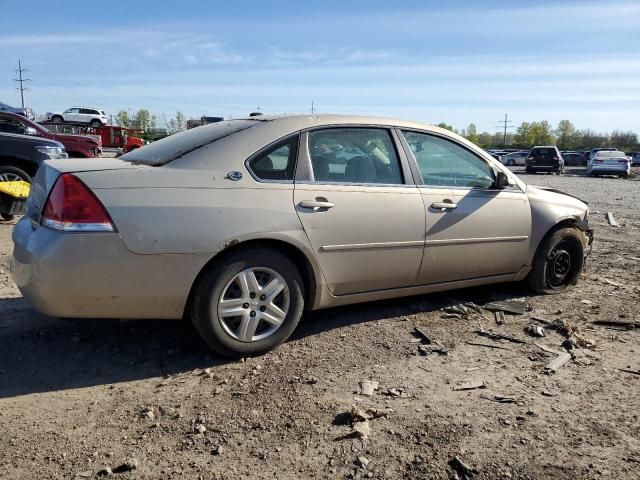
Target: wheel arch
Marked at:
566, 222
309, 271
29, 167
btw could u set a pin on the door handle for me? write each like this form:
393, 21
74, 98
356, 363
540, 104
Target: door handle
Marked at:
316, 204
445, 205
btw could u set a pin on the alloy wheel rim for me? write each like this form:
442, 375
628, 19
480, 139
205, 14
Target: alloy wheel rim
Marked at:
9, 177
559, 266
254, 304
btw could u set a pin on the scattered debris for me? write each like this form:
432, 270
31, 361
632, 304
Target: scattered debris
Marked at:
462, 469
611, 219
535, 330
361, 429
363, 461
517, 307
216, 450
573, 334
418, 332
622, 325
397, 393
612, 283
105, 472
429, 349
557, 362
500, 317
469, 385
498, 336
547, 393
367, 387
547, 349
498, 347
128, 465
540, 320
635, 372
498, 398
359, 414
200, 428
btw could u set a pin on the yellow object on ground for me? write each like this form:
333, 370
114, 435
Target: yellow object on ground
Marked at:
17, 189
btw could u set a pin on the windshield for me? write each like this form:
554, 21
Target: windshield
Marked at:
172, 147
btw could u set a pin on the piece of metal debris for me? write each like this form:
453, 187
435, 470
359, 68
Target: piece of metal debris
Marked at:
498, 398
635, 372
498, 336
367, 387
429, 349
397, 393
463, 470
500, 317
611, 219
470, 385
555, 364
418, 332
517, 307
547, 349
535, 330
622, 325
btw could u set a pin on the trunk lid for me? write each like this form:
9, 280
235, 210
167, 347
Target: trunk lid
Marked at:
50, 170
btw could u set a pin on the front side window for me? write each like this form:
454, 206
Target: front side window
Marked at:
444, 163
354, 155
277, 163
9, 125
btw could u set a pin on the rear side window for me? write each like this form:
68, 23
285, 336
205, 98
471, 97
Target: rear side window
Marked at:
278, 163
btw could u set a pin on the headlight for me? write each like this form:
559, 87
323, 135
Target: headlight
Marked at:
53, 152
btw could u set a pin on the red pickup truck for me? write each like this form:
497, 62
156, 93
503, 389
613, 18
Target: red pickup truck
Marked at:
75, 145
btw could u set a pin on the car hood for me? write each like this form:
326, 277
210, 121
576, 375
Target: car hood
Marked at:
555, 197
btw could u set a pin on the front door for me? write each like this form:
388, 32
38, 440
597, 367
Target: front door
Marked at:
365, 224
473, 229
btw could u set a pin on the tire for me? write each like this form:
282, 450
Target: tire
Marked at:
528, 170
551, 272
221, 333
510, 163
57, 119
95, 123
6, 217
624, 176
9, 173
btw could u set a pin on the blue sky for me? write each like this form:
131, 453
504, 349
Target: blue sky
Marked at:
458, 62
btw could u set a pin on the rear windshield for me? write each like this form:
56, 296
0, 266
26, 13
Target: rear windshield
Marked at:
543, 152
610, 154
175, 146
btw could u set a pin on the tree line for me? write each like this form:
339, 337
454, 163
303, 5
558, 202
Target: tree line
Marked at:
150, 123
565, 135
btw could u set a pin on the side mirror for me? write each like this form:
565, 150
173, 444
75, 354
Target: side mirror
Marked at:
501, 181
30, 131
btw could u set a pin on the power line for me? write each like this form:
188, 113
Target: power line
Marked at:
20, 70
505, 123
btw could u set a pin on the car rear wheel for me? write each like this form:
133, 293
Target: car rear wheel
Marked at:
558, 262
95, 123
248, 303
57, 119
510, 163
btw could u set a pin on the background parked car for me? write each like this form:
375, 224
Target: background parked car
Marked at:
609, 162
573, 159
25, 112
545, 159
22, 155
79, 115
635, 158
75, 145
515, 158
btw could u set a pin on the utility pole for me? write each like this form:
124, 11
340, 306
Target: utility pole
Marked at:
313, 110
21, 80
505, 124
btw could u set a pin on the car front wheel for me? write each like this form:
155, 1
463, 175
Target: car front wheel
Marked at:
248, 303
95, 124
558, 262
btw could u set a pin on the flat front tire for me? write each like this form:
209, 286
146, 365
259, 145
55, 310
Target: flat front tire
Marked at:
558, 262
248, 303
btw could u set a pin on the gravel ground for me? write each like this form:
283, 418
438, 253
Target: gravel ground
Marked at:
146, 399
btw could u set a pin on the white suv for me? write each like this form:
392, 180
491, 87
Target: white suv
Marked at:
80, 115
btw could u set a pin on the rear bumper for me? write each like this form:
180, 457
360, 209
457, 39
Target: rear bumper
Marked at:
541, 166
93, 275
610, 169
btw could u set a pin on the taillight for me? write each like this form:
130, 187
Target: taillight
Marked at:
72, 207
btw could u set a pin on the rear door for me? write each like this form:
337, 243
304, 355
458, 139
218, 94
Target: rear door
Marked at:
473, 230
363, 215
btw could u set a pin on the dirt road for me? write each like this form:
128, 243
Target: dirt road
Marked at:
79, 396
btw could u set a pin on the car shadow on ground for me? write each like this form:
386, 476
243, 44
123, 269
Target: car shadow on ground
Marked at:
43, 354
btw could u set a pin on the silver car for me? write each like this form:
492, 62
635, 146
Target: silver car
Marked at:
609, 162
242, 225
